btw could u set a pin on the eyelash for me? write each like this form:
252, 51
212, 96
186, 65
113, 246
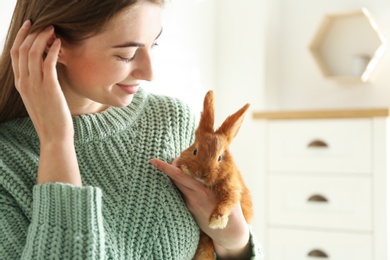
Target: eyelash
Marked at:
127, 60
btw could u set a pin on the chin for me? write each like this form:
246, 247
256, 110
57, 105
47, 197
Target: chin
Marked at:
124, 102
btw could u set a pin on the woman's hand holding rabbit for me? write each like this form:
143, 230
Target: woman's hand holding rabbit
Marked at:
231, 242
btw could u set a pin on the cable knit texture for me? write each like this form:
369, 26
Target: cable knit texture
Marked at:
126, 208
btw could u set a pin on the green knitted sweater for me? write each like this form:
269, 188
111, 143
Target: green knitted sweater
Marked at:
126, 208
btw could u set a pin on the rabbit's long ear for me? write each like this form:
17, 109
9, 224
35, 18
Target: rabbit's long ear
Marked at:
206, 123
232, 124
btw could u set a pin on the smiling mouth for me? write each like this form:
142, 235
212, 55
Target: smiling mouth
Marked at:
129, 89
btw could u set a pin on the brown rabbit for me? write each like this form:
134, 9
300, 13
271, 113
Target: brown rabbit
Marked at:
209, 160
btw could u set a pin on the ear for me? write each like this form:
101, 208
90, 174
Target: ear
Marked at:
232, 124
206, 123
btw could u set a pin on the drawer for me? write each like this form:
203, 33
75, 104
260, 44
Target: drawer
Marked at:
320, 146
343, 203
311, 245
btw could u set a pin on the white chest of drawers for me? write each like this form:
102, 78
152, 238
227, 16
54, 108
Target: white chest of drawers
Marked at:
326, 185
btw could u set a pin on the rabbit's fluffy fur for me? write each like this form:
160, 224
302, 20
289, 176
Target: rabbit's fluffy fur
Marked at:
209, 160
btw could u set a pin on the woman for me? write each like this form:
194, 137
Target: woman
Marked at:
77, 136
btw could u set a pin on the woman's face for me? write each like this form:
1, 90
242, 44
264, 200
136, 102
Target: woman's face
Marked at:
105, 69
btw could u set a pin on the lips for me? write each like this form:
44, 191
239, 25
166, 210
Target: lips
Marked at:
129, 89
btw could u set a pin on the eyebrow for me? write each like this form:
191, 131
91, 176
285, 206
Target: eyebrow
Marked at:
135, 44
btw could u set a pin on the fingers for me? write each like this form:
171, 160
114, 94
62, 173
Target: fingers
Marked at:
27, 54
167, 168
182, 180
20, 37
24, 55
36, 51
52, 55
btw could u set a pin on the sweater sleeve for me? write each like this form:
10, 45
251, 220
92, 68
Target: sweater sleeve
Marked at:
256, 249
66, 221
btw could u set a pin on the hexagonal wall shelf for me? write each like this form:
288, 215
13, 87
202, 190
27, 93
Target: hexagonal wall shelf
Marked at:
347, 46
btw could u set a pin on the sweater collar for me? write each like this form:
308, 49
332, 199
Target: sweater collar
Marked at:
95, 126
113, 120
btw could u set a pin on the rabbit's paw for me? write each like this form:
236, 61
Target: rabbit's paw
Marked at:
218, 221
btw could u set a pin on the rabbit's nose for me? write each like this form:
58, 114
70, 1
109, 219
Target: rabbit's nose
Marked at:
186, 170
204, 175
200, 179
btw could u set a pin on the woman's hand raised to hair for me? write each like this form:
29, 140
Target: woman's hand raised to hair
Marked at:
36, 81
232, 242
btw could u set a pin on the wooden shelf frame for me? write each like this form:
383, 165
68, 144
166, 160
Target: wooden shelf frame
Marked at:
321, 114
324, 33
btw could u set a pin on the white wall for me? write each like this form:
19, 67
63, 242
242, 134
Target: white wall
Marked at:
184, 60
294, 79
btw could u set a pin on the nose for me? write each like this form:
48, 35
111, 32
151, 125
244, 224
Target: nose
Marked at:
143, 69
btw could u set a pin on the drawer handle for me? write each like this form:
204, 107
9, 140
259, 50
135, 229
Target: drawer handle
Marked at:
317, 144
317, 253
317, 198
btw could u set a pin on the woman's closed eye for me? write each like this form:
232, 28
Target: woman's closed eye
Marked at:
127, 56
125, 59
130, 58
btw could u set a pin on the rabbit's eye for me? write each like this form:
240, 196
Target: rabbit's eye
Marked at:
195, 151
219, 158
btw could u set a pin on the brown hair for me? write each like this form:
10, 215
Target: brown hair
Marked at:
73, 20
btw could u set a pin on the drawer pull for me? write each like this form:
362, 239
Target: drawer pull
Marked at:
317, 144
317, 253
317, 198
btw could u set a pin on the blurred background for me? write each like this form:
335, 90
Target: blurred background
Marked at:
257, 51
